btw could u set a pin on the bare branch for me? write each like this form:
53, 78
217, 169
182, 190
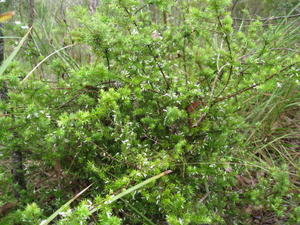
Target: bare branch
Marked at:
270, 18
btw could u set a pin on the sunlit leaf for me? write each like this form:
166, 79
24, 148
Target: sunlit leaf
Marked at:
6, 16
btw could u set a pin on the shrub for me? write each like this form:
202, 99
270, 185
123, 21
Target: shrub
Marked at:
160, 95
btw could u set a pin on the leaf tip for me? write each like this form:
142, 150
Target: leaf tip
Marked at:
168, 172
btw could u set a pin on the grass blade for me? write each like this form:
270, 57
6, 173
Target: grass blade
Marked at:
41, 62
132, 189
61, 209
139, 213
6, 63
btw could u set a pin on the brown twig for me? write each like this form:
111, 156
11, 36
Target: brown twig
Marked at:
69, 101
286, 49
217, 100
270, 18
252, 86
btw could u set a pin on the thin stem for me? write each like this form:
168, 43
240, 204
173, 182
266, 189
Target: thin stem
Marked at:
270, 18
252, 86
41, 62
230, 55
151, 52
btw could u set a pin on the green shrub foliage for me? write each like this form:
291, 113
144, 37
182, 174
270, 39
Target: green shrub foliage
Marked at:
168, 89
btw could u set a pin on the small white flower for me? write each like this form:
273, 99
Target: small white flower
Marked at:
135, 31
156, 35
18, 22
24, 27
66, 213
279, 85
